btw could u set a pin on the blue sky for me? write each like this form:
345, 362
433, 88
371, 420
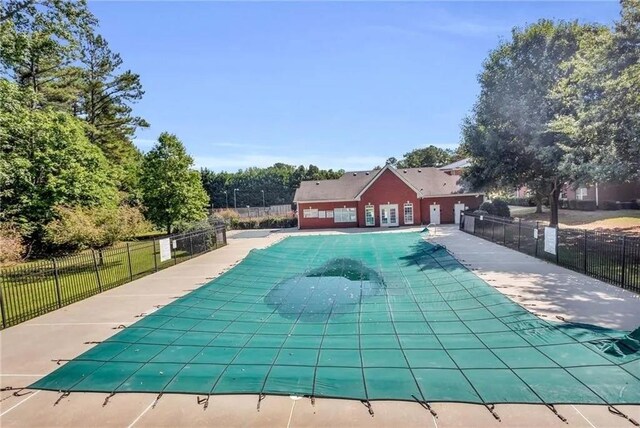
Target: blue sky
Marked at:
336, 84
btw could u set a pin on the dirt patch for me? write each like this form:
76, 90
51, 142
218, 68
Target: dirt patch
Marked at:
622, 221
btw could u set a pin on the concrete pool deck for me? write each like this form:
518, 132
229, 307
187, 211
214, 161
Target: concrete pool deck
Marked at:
27, 350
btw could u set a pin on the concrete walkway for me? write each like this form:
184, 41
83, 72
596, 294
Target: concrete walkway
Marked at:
546, 289
27, 350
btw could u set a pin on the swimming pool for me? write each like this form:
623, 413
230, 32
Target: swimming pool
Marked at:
364, 316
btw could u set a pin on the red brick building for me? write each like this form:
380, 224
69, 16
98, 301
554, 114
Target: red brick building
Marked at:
383, 198
603, 192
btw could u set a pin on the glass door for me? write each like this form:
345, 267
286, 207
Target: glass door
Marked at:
389, 215
384, 215
369, 216
393, 216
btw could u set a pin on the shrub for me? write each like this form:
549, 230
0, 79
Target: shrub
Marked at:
12, 247
480, 212
521, 202
243, 223
272, 222
586, 205
77, 228
609, 205
263, 223
572, 203
635, 204
627, 205
501, 208
227, 215
192, 226
488, 207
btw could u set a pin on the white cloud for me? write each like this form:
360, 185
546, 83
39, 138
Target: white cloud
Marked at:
235, 162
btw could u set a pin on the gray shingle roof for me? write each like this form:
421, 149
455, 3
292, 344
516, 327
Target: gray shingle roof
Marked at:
429, 181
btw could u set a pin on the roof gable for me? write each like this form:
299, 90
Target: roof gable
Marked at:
352, 185
382, 171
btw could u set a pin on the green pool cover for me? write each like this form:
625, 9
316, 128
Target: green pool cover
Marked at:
360, 316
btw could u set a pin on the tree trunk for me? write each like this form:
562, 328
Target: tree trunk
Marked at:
168, 228
554, 197
538, 205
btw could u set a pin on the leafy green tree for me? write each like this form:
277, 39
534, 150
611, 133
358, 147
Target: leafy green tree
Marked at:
107, 95
510, 135
171, 190
601, 90
430, 156
105, 101
46, 161
274, 185
40, 46
77, 228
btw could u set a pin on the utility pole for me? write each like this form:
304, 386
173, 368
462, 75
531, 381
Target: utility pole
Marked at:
263, 204
235, 205
226, 198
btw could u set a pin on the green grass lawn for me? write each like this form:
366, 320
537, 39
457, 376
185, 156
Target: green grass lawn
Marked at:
38, 287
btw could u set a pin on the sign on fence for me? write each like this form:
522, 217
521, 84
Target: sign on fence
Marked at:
550, 239
165, 249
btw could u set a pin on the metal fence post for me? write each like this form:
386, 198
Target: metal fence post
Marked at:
537, 238
173, 250
624, 256
504, 234
557, 245
493, 231
191, 245
129, 259
56, 277
586, 251
3, 315
95, 265
155, 259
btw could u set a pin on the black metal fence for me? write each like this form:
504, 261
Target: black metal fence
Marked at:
32, 289
610, 257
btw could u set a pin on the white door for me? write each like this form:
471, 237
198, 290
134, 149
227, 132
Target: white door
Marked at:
389, 215
457, 209
435, 214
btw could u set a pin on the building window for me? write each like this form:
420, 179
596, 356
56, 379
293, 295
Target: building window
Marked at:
310, 213
408, 213
581, 193
344, 215
322, 214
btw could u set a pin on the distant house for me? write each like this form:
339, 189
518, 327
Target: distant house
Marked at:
457, 167
603, 193
383, 198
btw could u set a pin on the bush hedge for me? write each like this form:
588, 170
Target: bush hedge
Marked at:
487, 207
498, 208
262, 223
521, 202
583, 205
501, 208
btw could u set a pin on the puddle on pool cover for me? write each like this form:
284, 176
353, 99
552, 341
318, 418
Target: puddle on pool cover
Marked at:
334, 288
